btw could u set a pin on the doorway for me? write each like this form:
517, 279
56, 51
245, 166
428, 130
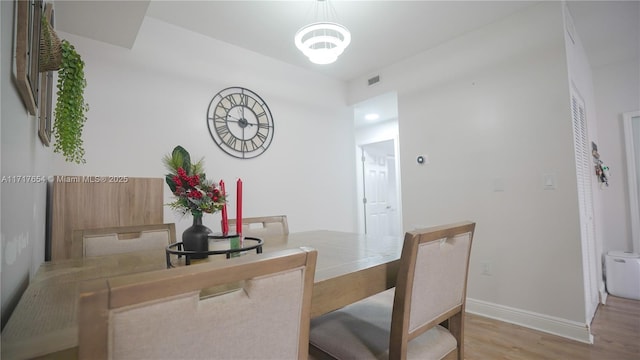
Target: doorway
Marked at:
377, 166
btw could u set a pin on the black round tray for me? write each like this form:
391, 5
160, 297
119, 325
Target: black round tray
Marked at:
176, 249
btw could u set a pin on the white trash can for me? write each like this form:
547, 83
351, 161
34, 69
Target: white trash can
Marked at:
622, 273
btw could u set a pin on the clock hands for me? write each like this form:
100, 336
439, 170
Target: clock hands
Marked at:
242, 122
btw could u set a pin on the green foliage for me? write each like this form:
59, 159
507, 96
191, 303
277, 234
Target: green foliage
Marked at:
179, 158
70, 106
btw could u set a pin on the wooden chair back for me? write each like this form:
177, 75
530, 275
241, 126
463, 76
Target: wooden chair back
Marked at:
121, 239
266, 318
431, 285
264, 225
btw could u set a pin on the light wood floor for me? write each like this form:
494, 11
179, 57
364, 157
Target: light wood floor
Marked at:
616, 328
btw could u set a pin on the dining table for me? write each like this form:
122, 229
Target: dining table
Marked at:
350, 267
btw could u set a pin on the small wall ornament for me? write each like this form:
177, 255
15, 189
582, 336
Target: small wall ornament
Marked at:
602, 171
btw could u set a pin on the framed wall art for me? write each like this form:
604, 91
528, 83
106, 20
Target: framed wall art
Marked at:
28, 19
45, 107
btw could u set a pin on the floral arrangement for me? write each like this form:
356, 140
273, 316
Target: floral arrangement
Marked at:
193, 192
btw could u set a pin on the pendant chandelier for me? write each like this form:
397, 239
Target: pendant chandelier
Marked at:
323, 41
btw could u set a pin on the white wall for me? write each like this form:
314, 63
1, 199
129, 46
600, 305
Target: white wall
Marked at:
491, 110
23, 204
146, 100
617, 90
499, 127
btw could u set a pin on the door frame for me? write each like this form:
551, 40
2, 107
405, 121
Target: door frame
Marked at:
368, 131
632, 183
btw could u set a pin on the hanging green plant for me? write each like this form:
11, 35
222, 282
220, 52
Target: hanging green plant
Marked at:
70, 106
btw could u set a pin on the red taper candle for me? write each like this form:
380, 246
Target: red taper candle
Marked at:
225, 216
239, 208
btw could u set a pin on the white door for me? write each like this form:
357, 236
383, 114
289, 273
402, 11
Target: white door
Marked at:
380, 199
585, 198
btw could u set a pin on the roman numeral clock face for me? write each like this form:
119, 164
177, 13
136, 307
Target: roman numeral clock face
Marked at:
240, 122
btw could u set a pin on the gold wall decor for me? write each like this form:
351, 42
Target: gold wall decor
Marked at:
46, 93
27, 49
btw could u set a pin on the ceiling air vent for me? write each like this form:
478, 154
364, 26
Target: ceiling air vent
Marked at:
374, 80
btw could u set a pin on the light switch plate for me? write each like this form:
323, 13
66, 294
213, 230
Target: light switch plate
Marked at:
549, 181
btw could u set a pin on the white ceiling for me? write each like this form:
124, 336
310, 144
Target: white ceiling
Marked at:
383, 32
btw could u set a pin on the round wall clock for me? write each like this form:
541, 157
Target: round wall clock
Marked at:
240, 122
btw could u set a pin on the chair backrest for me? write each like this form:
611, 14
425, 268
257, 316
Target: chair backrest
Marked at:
264, 225
121, 239
267, 317
431, 284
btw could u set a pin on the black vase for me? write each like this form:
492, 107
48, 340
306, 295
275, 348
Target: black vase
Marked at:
195, 238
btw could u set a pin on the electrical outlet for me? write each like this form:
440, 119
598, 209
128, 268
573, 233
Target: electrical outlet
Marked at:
486, 268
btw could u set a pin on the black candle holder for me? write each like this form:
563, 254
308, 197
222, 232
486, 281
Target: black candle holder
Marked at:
252, 244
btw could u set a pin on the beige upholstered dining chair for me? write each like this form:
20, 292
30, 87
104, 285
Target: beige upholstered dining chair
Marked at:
121, 239
404, 322
267, 318
264, 225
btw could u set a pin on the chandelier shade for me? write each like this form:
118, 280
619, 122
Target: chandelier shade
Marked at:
322, 42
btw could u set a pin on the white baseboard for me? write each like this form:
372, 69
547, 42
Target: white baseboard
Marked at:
549, 324
603, 295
